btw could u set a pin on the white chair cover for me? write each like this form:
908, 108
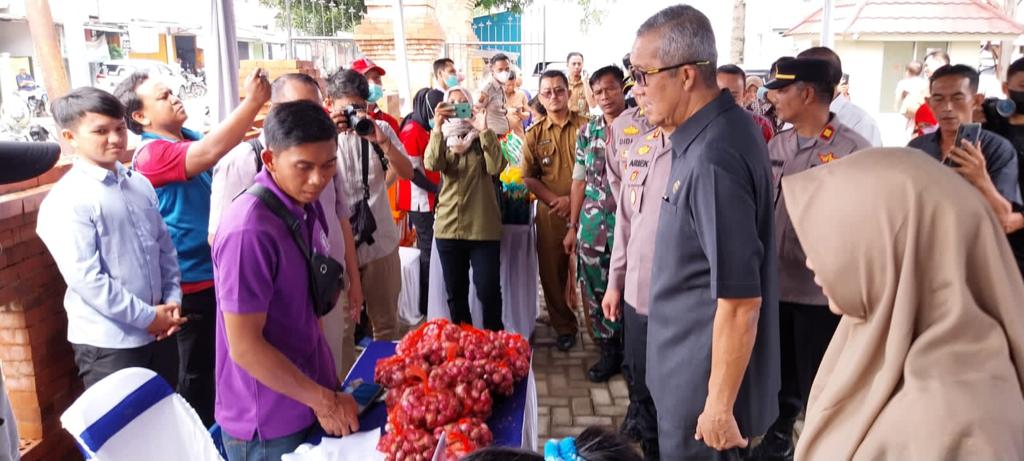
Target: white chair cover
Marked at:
134, 414
409, 298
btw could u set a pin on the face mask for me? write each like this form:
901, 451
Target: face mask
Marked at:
1018, 98
376, 92
451, 81
762, 94
502, 77
431, 122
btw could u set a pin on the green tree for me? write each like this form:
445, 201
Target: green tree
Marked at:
592, 15
318, 17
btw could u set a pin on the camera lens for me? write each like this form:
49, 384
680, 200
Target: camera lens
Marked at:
363, 127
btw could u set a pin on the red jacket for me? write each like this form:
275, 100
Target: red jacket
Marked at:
415, 140
378, 114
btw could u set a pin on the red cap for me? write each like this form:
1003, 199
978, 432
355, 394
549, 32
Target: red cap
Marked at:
364, 65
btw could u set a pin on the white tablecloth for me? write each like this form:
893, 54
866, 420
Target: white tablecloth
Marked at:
519, 301
409, 298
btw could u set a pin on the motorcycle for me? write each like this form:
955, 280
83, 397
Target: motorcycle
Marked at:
16, 121
196, 86
35, 99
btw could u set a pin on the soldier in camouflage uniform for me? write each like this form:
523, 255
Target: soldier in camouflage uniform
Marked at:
592, 220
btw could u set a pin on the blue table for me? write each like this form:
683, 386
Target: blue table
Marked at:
507, 417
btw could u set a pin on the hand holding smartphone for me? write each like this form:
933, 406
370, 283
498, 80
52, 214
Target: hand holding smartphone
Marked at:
968, 133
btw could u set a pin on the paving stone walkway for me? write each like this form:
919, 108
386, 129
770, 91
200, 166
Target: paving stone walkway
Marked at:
567, 402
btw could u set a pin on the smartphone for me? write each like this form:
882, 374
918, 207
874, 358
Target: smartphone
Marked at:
365, 394
463, 110
967, 133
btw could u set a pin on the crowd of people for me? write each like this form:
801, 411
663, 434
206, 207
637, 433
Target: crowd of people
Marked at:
746, 253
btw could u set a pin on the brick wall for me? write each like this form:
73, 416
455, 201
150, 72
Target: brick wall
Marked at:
41, 377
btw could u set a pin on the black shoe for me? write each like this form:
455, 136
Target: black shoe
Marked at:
610, 363
565, 342
777, 444
630, 426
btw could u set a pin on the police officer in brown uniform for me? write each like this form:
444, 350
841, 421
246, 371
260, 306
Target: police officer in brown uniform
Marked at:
641, 166
548, 160
801, 90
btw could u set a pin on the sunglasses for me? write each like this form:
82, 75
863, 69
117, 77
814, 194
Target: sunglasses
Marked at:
557, 91
640, 75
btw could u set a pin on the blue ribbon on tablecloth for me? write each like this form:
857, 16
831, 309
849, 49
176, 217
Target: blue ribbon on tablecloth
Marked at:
135, 404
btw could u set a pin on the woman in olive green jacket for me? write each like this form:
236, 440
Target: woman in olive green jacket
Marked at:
467, 225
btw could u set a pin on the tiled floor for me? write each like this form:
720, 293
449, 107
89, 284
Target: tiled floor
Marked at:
567, 401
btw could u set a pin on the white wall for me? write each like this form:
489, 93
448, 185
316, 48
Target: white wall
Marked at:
863, 61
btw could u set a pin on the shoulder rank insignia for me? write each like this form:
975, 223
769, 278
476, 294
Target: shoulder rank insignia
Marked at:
654, 134
643, 150
632, 176
631, 130
826, 158
827, 133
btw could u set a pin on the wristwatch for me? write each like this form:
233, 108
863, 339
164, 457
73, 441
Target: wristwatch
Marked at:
570, 225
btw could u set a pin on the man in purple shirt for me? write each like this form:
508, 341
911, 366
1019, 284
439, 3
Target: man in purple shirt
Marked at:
275, 375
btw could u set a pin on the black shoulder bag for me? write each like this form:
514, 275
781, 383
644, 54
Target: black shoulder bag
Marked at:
363, 223
324, 272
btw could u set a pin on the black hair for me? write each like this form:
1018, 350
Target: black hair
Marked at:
294, 123
824, 91
605, 71
553, 74
498, 57
732, 69
511, 75
600, 444
573, 53
125, 92
958, 70
502, 454
69, 109
826, 54
440, 64
347, 83
1015, 67
280, 82
537, 106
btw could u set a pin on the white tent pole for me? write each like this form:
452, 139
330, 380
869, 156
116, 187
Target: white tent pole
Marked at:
401, 57
827, 38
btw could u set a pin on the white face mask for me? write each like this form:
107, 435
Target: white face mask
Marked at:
501, 77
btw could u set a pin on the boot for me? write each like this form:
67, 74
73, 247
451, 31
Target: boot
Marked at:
777, 444
610, 363
629, 427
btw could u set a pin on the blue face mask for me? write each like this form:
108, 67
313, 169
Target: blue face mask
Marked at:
451, 81
376, 92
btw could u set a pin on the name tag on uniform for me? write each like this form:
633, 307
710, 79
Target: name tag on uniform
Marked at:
637, 163
544, 142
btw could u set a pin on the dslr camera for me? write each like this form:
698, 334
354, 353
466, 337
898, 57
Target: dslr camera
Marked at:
362, 124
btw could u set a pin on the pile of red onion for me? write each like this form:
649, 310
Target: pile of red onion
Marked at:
441, 381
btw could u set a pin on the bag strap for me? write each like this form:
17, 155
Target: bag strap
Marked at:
366, 168
257, 147
275, 206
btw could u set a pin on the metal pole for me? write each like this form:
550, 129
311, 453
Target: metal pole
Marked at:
400, 54
827, 39
289, 48
333, 29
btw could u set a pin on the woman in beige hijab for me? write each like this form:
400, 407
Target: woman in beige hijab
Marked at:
928, 360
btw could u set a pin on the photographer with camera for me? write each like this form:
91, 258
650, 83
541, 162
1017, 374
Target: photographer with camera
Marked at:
367, 151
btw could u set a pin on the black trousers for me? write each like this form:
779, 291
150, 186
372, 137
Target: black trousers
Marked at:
485, 258
423, 222
805, 332
197, 351
95, 363
634, 369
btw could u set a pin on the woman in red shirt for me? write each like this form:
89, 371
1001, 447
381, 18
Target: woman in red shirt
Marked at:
418, 196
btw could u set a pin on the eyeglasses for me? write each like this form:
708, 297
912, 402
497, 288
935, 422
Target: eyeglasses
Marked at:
556, 91
640, 75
